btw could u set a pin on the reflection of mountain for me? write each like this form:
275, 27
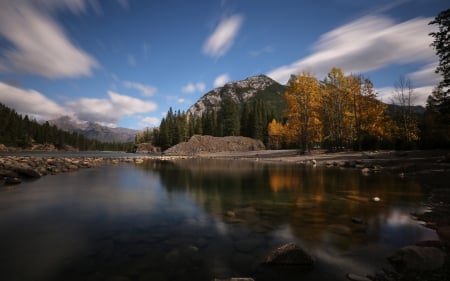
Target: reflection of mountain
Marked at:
317, 204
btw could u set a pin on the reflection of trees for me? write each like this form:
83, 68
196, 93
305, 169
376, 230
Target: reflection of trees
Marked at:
317, 203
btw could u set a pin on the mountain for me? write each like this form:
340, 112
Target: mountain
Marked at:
95, 131
255, 87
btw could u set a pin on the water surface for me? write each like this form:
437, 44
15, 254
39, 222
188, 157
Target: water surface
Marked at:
201, 219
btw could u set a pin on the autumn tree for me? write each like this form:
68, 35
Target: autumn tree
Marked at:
370, 121
303, 99
336, 110
276, 134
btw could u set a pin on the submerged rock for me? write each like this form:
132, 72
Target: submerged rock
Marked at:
356, 277
290, 255
417, 259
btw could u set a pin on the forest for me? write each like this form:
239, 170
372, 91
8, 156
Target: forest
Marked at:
22, 132
339, 112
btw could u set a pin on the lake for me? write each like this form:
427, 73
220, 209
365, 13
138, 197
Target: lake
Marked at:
200, 219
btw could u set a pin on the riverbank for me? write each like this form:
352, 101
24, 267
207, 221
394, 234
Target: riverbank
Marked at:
430, 168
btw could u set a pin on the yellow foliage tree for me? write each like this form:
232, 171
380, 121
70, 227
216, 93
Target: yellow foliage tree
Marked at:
336, 111
276, 134
371, 122
303, 121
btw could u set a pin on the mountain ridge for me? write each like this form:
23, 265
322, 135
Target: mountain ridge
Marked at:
95, 131
240, 92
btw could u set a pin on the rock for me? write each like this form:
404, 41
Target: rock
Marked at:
431, 243
8, 173
355, 277
290, 255
146, 148
365, 171
234, 279
27, 172
357, 220
417, 259
376, 199
444, 233
12, 180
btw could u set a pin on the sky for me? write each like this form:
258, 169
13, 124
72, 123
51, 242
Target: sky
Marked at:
124, 63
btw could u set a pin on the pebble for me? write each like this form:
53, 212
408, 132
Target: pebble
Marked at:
355, 277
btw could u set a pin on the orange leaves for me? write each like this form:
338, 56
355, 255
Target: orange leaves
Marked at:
341, 111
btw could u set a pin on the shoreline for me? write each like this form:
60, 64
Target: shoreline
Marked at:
430, 168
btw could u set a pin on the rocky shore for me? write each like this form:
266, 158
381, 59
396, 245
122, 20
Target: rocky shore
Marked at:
15, 169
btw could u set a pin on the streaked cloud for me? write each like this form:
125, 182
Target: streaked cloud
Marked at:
222, 38
366, 44
39, 46
131, 60
30, 102
144, 90
262, 51
221, 80
150, 122
109, 110
420, 94
426, 75
190, 87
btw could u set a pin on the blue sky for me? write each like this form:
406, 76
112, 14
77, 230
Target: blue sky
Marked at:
125, 62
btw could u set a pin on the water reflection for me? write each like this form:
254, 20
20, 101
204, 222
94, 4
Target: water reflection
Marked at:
201, 219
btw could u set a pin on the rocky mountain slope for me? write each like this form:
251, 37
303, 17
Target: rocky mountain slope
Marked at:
242, 91
94, 131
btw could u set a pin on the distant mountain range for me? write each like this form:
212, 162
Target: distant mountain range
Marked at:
94, 131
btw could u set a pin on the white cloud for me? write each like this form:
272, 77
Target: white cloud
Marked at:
221, 80
265, 50
109, 110
420, 94
368, 43
426, 75
222, 38
30, 102
131, 60
123, 3
39, 44
192, 88
150, 122
145, 90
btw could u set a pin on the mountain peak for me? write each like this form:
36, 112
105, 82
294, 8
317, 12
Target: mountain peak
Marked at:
240, 91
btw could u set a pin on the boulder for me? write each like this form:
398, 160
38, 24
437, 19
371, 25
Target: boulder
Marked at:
290, 255
417, 259
444, 233
12, 180
235, 279
27, 172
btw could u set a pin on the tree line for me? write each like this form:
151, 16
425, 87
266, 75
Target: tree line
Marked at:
342, 111
21, 131
232, 119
